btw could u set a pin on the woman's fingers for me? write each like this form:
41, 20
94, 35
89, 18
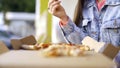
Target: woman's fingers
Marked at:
53, 4
50, 2
54, 8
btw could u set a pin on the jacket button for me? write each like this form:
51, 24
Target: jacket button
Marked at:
116, 30
115, 23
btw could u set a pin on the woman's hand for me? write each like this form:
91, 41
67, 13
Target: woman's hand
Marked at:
57, 10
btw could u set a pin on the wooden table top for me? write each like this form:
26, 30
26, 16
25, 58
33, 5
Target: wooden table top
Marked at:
33, 59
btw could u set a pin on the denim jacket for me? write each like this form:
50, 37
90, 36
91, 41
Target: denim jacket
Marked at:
103, 25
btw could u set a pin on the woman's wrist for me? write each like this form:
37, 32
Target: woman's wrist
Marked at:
64, 21
64, 18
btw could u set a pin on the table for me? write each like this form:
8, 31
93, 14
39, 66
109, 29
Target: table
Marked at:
33, 59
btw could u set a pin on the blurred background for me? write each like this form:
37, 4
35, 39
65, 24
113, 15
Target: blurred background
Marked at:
21, 18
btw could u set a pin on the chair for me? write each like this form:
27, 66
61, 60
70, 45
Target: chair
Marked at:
108, 50
17, 43
3, 48
111, 51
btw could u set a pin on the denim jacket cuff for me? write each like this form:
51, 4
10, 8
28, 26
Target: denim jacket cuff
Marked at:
69, 27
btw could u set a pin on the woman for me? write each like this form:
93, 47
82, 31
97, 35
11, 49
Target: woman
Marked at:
99, 19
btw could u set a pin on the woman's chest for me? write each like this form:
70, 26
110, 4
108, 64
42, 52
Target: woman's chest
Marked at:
103, 25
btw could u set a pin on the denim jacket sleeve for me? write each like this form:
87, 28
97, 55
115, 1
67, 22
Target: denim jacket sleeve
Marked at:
72, 33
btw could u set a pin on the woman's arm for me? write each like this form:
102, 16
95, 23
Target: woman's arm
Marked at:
70, 33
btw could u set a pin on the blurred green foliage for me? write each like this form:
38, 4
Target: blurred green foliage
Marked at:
17, 5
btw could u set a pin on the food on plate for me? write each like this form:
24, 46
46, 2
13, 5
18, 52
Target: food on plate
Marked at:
36, 46
60, 49
64, 50
28, 47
